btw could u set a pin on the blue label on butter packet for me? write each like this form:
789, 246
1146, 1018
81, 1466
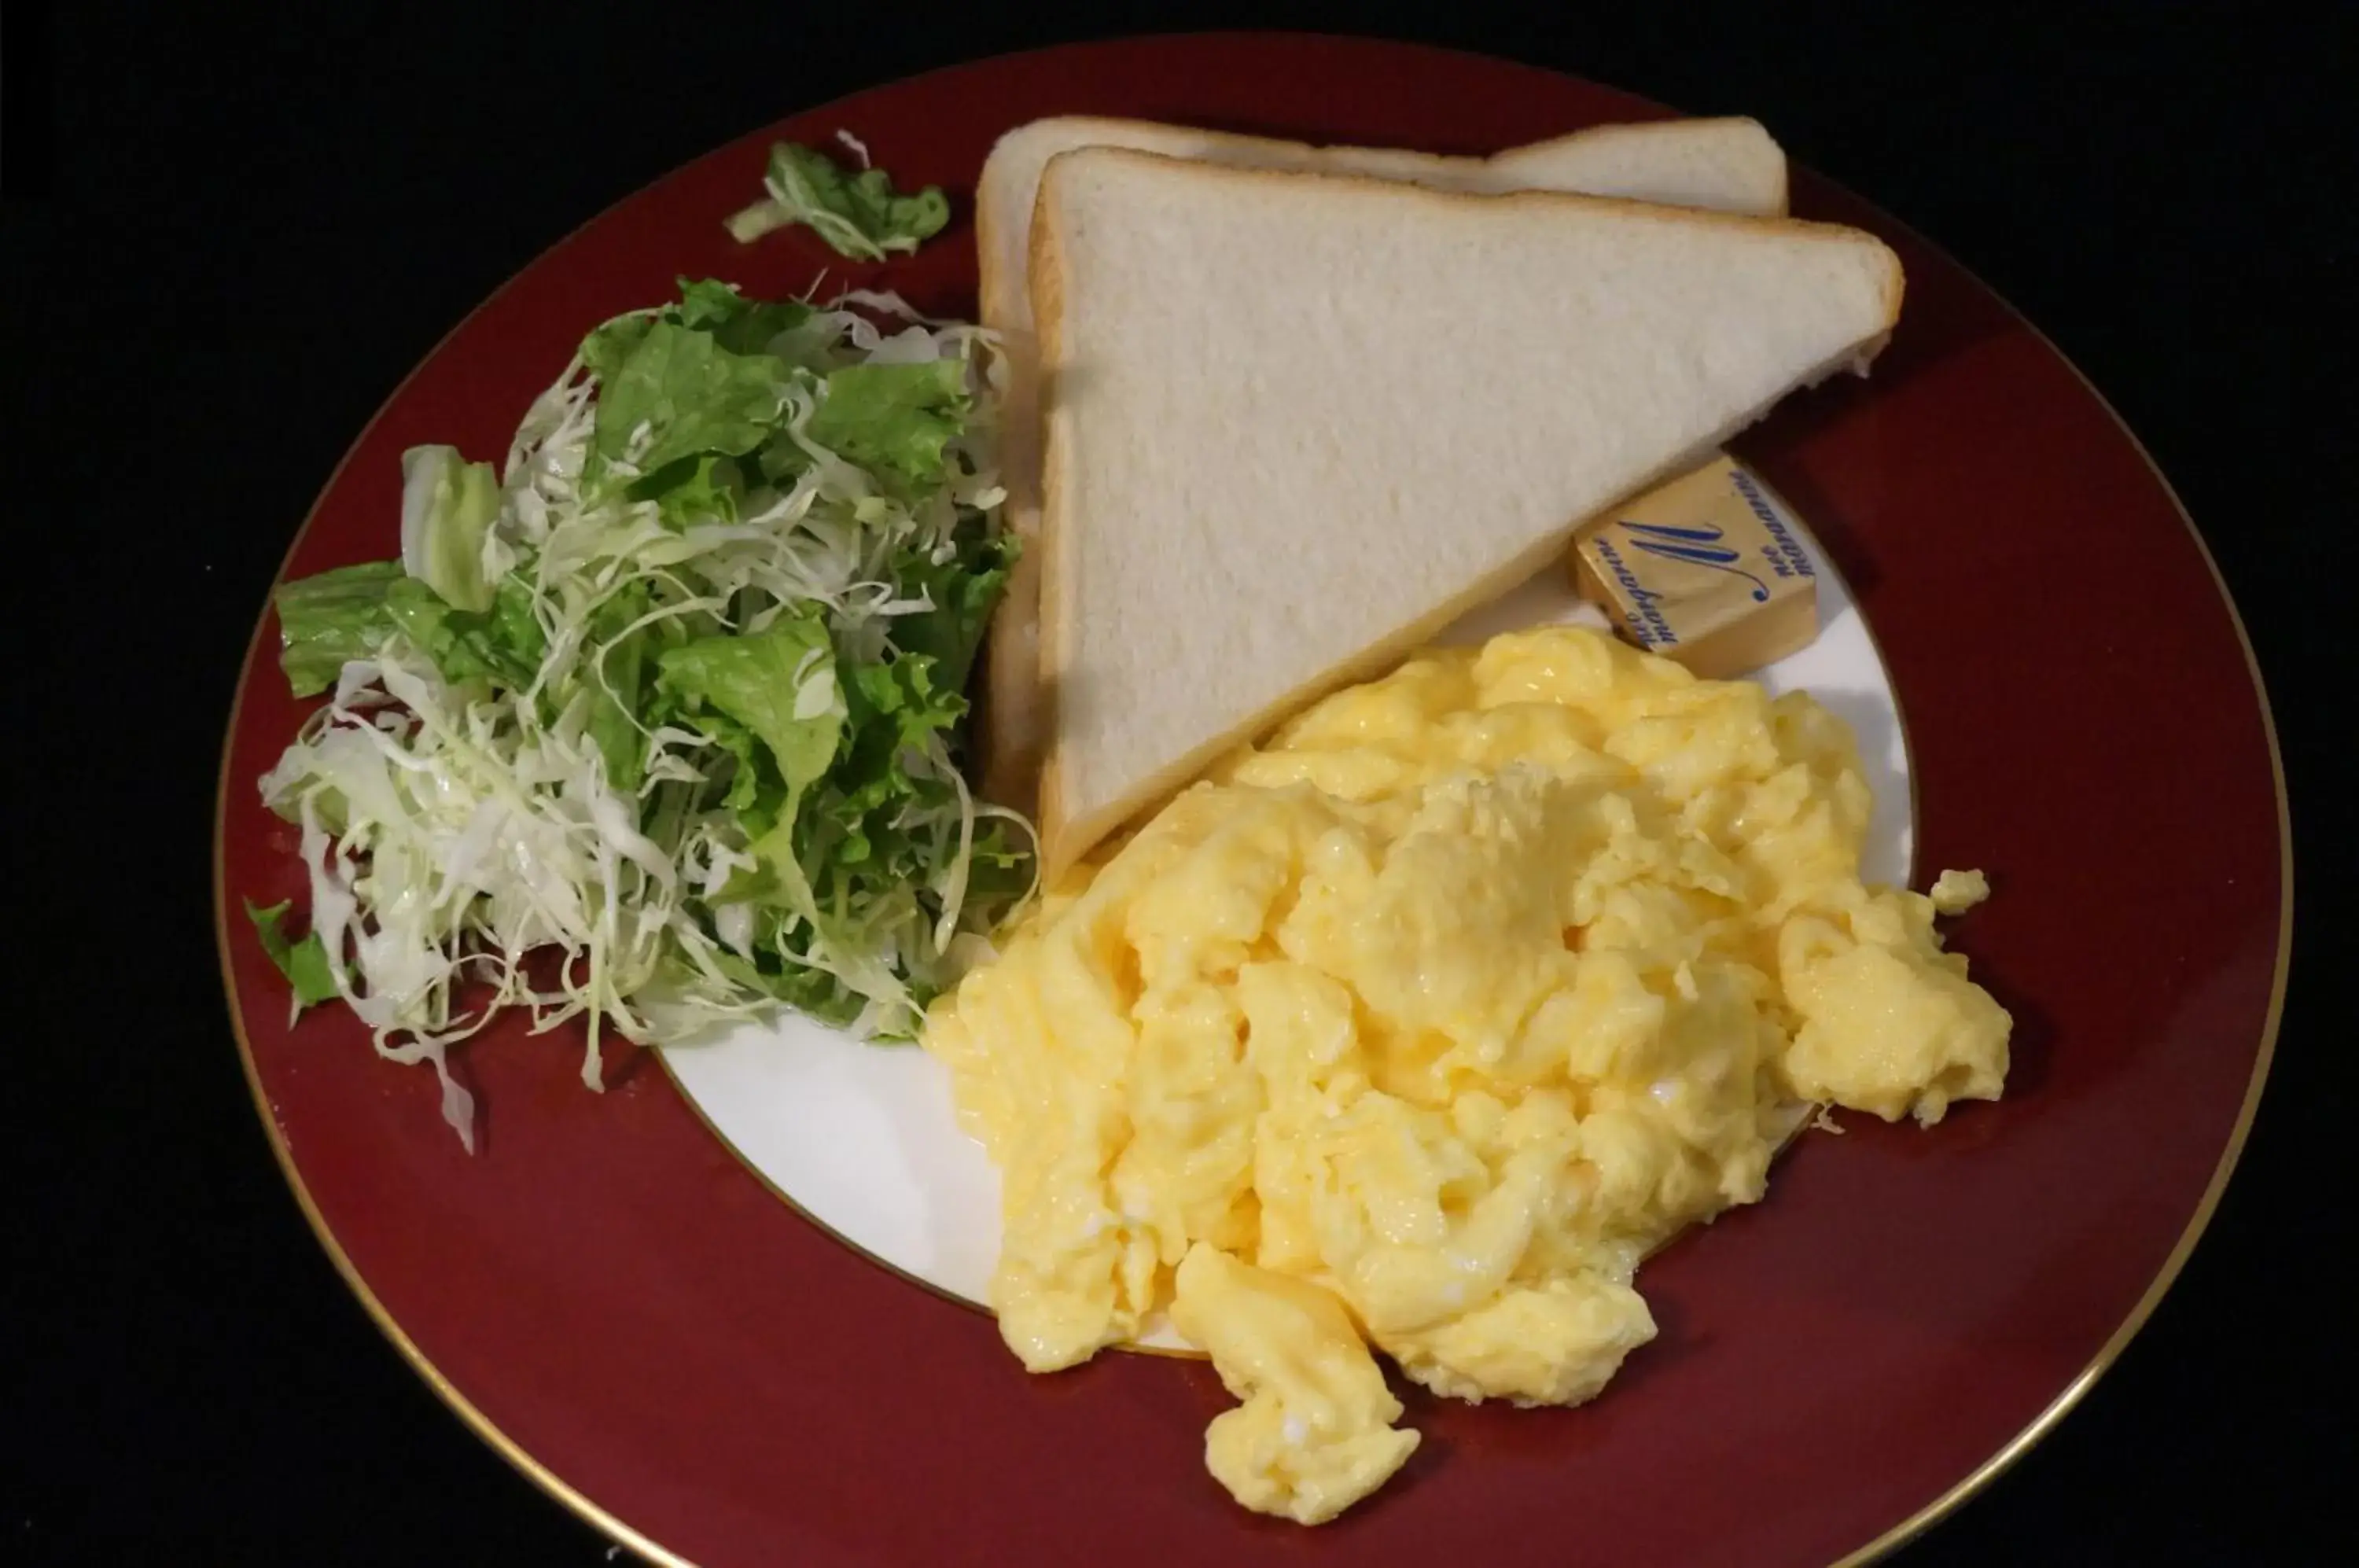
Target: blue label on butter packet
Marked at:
1706, 569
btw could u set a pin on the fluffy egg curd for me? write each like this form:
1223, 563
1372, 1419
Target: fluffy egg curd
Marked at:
1419, 1026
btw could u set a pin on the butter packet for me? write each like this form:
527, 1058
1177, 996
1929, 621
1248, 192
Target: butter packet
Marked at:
1708, 570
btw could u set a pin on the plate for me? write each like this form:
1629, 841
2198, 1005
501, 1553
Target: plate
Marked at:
626, 1311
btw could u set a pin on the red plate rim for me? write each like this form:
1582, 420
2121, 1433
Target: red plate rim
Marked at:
1931, 1513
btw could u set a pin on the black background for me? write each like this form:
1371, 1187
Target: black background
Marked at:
228, 235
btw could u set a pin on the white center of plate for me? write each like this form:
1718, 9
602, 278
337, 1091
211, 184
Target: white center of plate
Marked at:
862, 1139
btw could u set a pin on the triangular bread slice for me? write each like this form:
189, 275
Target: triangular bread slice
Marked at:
1297, 424
1726, 164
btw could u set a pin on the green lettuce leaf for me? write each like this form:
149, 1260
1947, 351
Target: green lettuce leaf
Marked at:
621, 654
691, 395
871, 835
705, 305
850, 827
964, 590
755, 790
1000, 871
693, 490
738, 324
304, 962
807, 990
448, 506
861, 215
504, 643
780, 684
606, 349
328, 620
893, 416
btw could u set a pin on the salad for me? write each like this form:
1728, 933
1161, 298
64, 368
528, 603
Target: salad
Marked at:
659, 723
860, 216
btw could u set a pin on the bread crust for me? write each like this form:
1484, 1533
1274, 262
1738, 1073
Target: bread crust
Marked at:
1005, 712
1044, 263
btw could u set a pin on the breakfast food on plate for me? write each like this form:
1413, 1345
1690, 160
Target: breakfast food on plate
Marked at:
1731, 165
1412, 1029
1416, 1027
1327, 415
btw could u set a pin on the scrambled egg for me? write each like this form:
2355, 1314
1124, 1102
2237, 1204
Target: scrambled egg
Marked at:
1417, 1027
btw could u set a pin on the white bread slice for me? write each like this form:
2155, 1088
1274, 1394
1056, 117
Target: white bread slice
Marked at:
1728, 165
1296, 424
1721, 164
1731, 165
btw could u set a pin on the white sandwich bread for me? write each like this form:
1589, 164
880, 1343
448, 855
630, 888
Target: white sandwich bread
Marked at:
1730, 165
1297, 424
